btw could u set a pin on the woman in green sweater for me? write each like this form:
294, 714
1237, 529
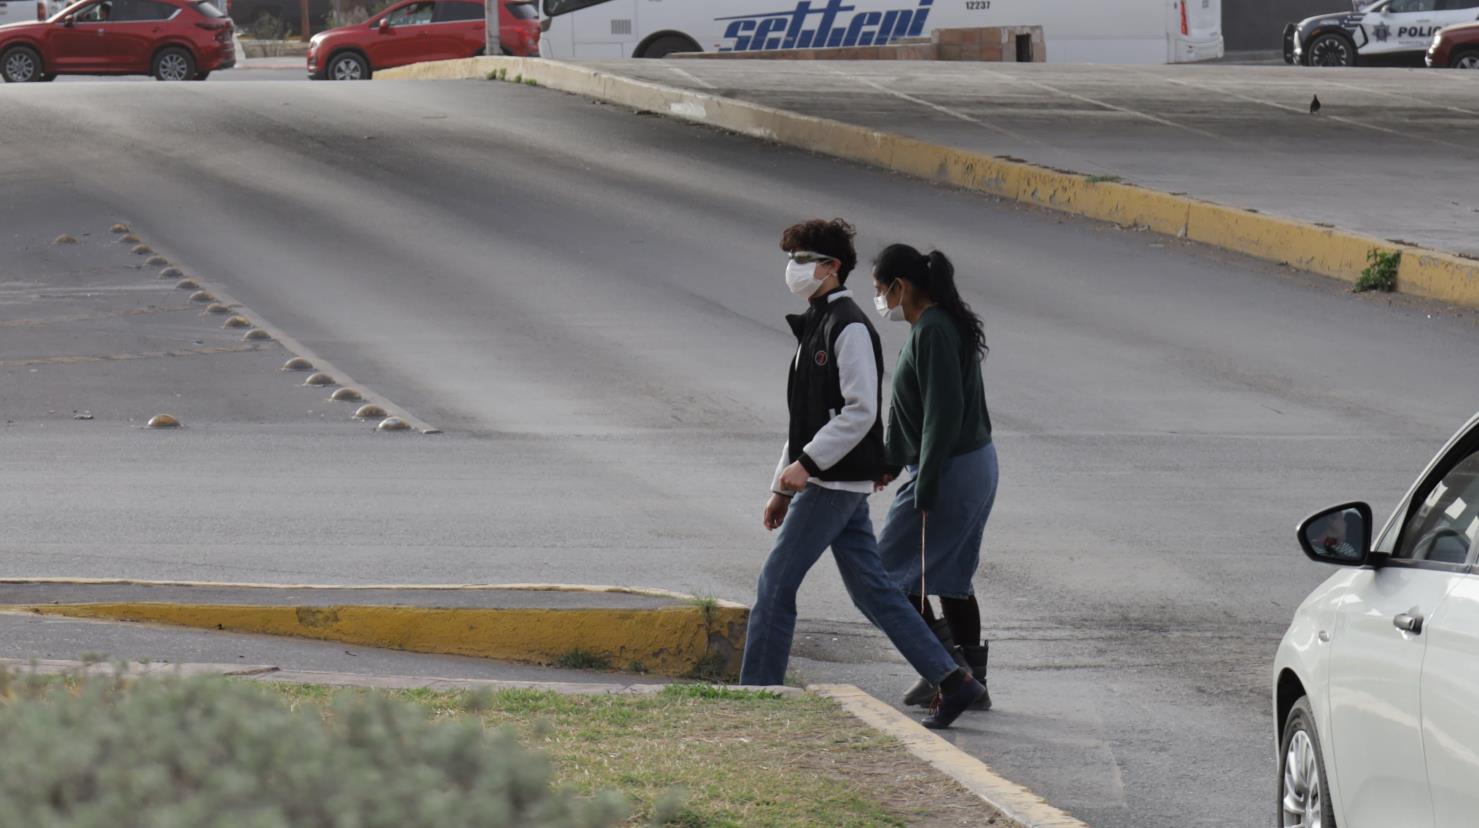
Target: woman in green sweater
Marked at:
939, 430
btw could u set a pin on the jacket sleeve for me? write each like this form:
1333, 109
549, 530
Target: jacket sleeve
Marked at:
858, 370
938, 361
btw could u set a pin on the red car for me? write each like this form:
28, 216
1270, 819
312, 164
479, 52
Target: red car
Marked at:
420, 30
169, 39
1456, 47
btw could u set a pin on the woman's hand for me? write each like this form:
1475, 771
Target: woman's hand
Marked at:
775, 511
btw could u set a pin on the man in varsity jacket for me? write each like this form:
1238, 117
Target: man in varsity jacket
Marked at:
833, 455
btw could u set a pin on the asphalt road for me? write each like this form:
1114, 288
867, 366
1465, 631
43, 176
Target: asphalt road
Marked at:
590, 304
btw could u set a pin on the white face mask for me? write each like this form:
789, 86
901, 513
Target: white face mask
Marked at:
802, 278
892, 314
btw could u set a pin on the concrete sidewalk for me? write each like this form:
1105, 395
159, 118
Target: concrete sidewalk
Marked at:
1390, 155
641, 630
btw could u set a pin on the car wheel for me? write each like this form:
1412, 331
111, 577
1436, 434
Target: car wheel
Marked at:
1331, 50
1304, 790
21, 64
348, 66
667, 45
1467, 59
174, 64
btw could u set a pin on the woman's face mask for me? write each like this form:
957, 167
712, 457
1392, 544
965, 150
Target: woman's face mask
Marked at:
880, 303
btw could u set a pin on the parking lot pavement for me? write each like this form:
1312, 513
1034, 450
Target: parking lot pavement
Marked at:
592, 305
1390, 154
250, 69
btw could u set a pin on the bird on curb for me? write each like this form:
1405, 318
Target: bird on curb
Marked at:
1315, 105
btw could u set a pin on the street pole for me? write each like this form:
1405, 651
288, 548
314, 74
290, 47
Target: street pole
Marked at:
492, 44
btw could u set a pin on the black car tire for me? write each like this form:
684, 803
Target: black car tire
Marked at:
21, 64
1464, 59
200, 76
48, 77
1330, 49
1308, 777
667, 45
173, 64
347, 66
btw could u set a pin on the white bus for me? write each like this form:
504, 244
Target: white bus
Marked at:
1075, 31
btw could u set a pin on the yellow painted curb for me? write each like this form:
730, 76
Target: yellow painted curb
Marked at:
1015, 802
1326, 251
671, 641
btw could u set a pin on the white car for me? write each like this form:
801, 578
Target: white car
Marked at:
1376, 683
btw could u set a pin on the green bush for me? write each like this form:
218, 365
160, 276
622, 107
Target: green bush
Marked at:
192, 753
1381, 271
268, 26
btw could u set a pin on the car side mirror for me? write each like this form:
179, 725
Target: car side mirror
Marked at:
384, 26
69, 21
1340, 535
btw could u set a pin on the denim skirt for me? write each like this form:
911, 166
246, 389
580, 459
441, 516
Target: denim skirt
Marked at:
957, 523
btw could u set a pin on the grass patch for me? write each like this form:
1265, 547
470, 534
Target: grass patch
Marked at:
583, 660
695, 756
1104, 179
1380, 273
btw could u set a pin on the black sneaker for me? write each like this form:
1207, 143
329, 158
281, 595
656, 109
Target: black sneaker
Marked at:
948, 706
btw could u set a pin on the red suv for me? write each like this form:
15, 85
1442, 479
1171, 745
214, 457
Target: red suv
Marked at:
1456, 47
169, 39
420, 30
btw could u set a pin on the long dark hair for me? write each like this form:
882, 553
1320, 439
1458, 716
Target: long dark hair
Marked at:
935, 276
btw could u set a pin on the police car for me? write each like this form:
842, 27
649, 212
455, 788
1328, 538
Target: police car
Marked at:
1389, 31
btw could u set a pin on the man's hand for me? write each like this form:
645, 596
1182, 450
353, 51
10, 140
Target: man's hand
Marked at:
775, 511
795, 478
883, 482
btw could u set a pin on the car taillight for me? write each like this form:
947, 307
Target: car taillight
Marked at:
213, 25
1185, 27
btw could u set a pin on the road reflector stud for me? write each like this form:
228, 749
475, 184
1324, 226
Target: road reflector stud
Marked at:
202, 296
319, 378
157, 261
370, 411
297, 364
346, 395
120, 228
64, 239
392, 424
255, 335
238, 322
217, 307
163, 421
187, 284
143, 250
129, 239
170, 273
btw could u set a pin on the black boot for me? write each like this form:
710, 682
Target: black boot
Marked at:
976, 658
958, 694
922, 693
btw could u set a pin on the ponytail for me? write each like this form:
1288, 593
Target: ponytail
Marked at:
935, 275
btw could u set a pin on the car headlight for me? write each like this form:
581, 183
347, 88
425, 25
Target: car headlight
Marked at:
1437, 37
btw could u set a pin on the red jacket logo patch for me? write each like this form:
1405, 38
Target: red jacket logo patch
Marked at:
821, 357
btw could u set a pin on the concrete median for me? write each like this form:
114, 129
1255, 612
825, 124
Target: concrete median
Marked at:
591, 627
1324, 250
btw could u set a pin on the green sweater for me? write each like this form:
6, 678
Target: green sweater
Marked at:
939, 406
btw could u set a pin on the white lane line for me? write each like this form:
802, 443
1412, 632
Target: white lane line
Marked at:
341, 379
1116, 108
1305, 112
690, 76
944, 110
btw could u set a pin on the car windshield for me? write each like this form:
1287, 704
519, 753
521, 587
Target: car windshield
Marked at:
207, 8
66, 10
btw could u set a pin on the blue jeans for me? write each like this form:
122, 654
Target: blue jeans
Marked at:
819, 518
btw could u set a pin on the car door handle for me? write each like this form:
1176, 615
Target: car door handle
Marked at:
1409, 622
